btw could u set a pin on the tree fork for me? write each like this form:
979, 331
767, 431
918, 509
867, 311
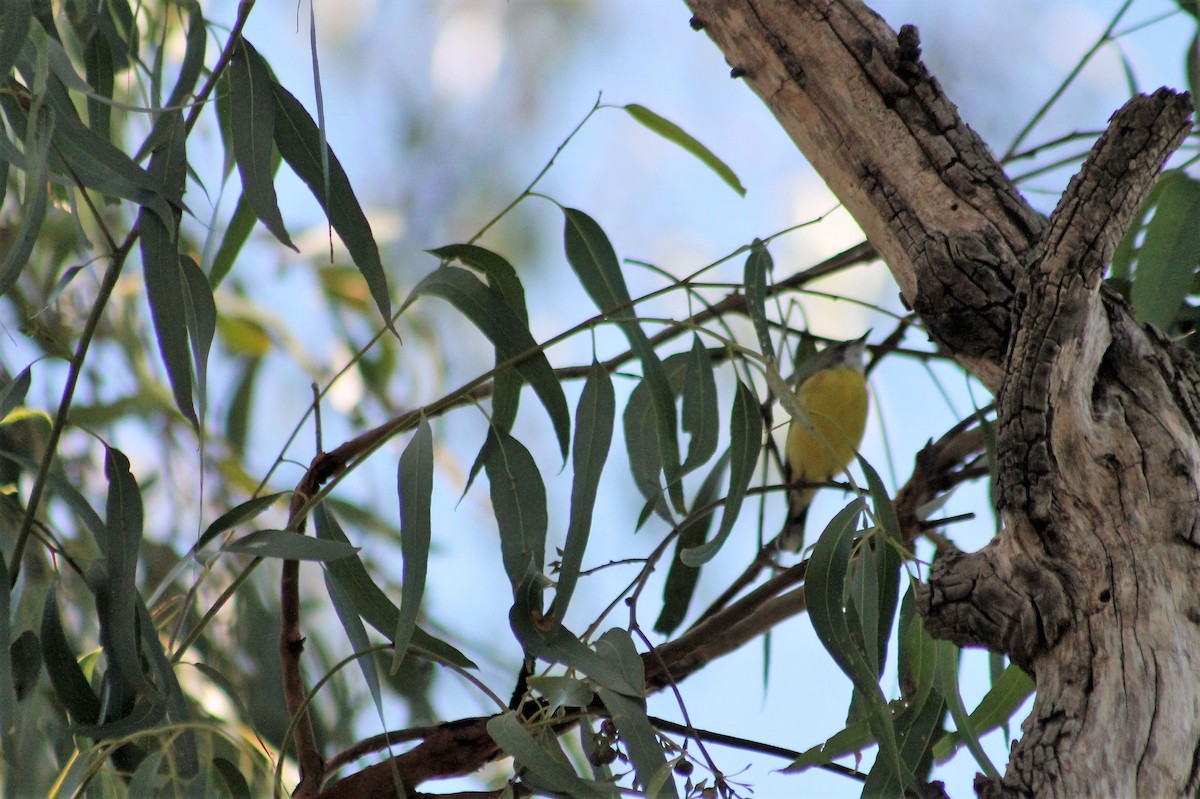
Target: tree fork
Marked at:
1090, 586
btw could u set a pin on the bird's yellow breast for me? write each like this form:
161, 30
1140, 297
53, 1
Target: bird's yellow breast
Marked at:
835, 401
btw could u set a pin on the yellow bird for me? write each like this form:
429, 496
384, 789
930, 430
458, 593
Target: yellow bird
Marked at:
821, 446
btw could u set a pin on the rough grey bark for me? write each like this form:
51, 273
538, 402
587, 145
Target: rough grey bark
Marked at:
1092, 585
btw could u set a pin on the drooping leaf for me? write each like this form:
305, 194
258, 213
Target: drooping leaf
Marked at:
552, 772
179, 708
1170, 253
100, 70
289, 545
519, 502
253, 98
236, 233
352, 623
201, 318
758, 265
701, 417
13, 393
379, 611
997, 707
502, 277
34, 203
69, 683
8, 681
299, 141
947, 685
241, 514
488, 310
616, 647
594, 420
162, 272
552, 642
745, 429
594, 261
825, 589
635, 731
15, 18
680, 584
116, 584
676, 135
641, 446
415, 489
85, 157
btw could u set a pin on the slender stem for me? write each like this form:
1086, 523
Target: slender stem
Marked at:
107, 284
1067, 81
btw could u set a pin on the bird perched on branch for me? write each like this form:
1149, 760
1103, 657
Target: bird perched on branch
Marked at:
833, 397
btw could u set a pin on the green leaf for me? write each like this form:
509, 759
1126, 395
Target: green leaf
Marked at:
487, 309
676, 135
745, 430
641, 446
415, 489
681, 580
115, 583
69, 683
917, 653
519, 502
94, 161
594, 420
1169, 254
616, 647
26, 658
236, 233
235, 783
758, 265
701, 416
289, 545
343, 606
100, 70
33, 205
250, 86
178, 706
825, 589
641, 742
8, 680
166, 289
551, 770
562, 691
15, 17
13, 393
554, 643
997, 707
502, 277
592, 257
499, 272
947, 685
299, 141
201, 317
876, 584
241, 514
375, 607
852, 739
1192, 60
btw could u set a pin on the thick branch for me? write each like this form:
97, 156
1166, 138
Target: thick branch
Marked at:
926, 190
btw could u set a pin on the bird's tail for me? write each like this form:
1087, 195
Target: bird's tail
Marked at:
791, 539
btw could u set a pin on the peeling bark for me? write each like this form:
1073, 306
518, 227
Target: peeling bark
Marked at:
1092, 584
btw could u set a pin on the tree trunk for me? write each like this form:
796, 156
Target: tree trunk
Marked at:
1091, 585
